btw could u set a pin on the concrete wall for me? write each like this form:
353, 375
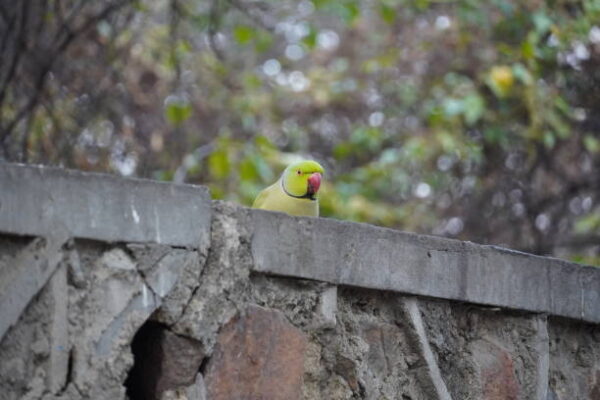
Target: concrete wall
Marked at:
113, 288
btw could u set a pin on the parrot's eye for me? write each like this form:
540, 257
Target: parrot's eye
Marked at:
299, 172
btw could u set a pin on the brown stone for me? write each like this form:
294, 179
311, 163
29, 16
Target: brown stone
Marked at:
257, 356
497, 371
181, 358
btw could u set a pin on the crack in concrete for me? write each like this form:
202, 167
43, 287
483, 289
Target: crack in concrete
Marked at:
69, 378
194, 290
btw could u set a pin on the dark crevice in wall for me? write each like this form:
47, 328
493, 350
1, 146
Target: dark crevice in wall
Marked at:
362, 391
141, 380
70, 370
203, 366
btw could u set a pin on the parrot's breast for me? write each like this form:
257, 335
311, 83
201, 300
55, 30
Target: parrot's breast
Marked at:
274, 198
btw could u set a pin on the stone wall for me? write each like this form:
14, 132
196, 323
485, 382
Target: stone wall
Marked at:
113, 288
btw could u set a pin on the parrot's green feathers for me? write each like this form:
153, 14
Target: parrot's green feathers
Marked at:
295, 192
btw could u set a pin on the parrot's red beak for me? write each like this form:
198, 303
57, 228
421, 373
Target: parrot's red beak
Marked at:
314, 182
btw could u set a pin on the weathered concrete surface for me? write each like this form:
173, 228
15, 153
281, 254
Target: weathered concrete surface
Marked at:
81, 329
196, 391
365, 256
486, 353
102, 207
371, 353
574, 361
29, 272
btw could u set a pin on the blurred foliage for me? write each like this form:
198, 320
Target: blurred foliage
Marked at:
476, 120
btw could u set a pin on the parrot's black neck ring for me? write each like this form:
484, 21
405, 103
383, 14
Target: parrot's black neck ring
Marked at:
305, 196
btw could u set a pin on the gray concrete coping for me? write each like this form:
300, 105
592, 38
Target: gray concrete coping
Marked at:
34, 200
366, 256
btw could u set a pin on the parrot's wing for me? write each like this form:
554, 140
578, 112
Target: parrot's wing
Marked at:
261, 198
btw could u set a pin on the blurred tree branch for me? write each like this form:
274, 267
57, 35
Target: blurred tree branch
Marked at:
213, 28
67, 33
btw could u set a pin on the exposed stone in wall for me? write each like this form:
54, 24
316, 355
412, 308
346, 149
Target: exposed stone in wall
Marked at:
259, 355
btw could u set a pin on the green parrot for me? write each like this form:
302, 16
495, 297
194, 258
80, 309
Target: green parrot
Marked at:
295, 192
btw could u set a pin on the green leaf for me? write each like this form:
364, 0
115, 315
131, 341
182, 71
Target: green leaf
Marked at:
352, 11
448, 142
528, 50
264, 41
163, 175
366, 138
506, 7
320, 3
264, 144
585, 259
549, 139
591, 144
243, 34
563, 130
522, 74
588, 223
348, 10
264, 169
218, 164
494, 135
310, 40
178, 113
248, 171
542, 22
452, 107
474, 107
563, 106
216, 192
342, 150
416, 148
251, 81
389, 157
387, 14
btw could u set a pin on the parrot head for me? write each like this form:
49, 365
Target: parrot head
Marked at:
302, 179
